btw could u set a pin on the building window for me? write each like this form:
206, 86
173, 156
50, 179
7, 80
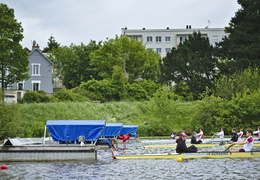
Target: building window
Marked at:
159, 50
158, 39
167, 50
182, 38
36, 69
167, 38
36, 85
215, 38
149, 39
134, 38
150, 49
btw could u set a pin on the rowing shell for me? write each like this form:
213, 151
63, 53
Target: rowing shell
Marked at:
197, 145
214, 155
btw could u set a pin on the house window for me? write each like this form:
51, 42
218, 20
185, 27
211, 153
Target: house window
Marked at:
20, 86
36, 69
159, 50
149, 39
167, 50
167, 38
158, 39
36, 85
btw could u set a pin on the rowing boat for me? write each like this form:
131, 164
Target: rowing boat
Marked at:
214, 155
197, 145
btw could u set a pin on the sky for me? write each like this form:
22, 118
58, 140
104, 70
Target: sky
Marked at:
79, 21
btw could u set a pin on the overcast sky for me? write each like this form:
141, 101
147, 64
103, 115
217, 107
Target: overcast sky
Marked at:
76, 21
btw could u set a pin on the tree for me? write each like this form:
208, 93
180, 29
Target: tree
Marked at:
192, 64
131, 55
72, 64
52, 44
13, 58
241, 49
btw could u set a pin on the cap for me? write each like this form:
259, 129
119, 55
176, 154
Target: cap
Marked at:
183, 135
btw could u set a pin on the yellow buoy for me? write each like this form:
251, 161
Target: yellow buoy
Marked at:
179, 159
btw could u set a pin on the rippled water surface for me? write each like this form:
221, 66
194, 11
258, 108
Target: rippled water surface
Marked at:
106, 168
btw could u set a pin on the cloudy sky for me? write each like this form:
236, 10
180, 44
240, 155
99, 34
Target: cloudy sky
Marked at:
76, 21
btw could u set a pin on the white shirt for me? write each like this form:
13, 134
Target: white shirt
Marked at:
220, 134
248, 146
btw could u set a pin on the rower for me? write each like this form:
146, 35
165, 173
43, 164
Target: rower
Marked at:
181, 145
257, 133
240, 134
248, 141
194, 140
234, 137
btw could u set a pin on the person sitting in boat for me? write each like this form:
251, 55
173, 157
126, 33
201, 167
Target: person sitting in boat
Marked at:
234, 137
181, 145
248, 141
173, 135
200, 135
240, 134
220, 134
124, 138
257, 133
194, 139
111, 144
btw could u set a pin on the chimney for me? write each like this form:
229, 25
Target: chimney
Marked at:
35, 46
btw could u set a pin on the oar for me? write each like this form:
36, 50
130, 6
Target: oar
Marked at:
229, 147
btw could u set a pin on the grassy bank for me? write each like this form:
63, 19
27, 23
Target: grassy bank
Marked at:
33, 117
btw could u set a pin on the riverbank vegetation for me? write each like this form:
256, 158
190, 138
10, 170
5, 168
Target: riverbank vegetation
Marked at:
197, 85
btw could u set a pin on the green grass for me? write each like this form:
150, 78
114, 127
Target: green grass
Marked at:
35, 115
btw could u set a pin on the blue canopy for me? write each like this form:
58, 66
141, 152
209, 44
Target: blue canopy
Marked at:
128, 129
112, 129
70, 130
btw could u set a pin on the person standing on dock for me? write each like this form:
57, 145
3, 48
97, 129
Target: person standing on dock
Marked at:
181, 145
248, 141
234, 137
111, 144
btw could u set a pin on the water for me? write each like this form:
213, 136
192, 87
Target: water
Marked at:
106, 168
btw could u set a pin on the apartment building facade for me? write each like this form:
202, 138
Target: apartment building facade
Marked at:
163, 40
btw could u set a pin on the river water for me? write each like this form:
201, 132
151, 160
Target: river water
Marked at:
106, 168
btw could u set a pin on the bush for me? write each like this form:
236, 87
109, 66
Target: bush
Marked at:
35, 97
67, 95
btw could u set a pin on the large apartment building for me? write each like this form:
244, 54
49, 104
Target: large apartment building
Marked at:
163, 40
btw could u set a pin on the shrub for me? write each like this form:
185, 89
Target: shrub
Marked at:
35, 97
67, 95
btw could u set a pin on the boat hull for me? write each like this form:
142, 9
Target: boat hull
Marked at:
197, 145
213, 155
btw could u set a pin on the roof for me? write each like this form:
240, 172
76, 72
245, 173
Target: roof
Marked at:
70, 130
36, 49
129, 129
112, 129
